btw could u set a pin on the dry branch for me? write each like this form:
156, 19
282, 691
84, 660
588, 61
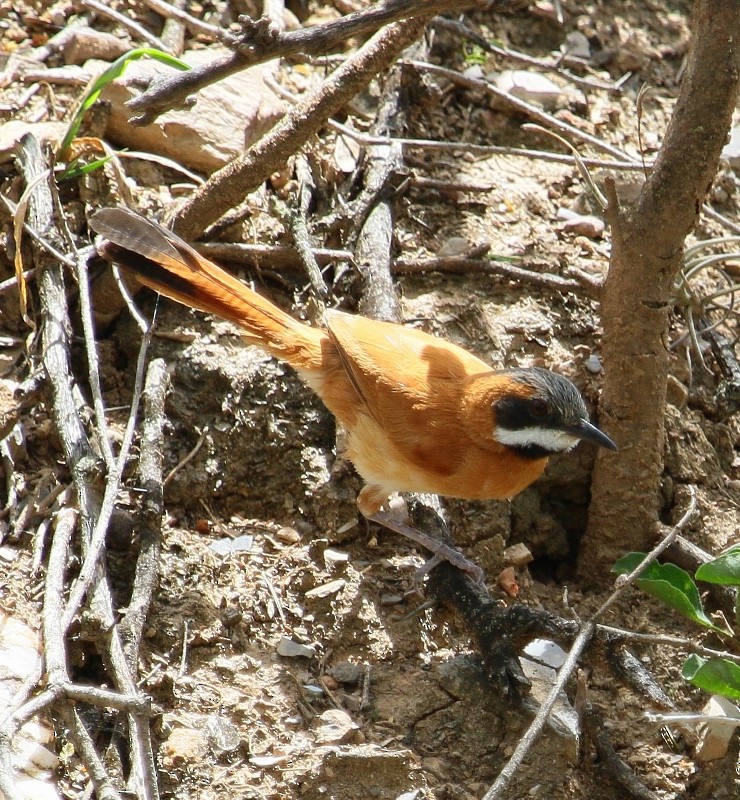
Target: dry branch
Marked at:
227, 188
261, 41
96, 502
647, 247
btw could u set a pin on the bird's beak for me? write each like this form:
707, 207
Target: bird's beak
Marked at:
590, 433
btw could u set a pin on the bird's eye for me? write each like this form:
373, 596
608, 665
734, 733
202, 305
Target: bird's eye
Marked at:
539, 408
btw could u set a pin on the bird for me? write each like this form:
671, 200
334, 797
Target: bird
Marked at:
421, 414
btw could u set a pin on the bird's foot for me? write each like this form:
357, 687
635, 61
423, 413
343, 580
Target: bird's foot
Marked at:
442, 551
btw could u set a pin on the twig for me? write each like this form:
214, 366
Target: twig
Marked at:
138, 30
582, 640
170, 11
228, 187
523, 107
623, 776
463, 30
97, 540
668, 641
174, 30
464, 147
94, 515
295, 219
189, 457
463, 264
150, 477
731, 225
261, 42
371, 236
275, 256
55, 651
93, 365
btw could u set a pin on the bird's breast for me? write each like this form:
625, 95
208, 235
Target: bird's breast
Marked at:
446, 467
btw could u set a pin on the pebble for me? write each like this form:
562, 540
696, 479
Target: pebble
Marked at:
290, 649
532, 87
82, 43
336, 727
715, 736
184, 746
327, 589
582, 224
454, 246
347, 672
223, 737
332, 556
225, 547
518, 555
593, 364
577, 45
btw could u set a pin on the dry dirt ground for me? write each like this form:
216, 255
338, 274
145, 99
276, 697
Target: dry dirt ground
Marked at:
385, 700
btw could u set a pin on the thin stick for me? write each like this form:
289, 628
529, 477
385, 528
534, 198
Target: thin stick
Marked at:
128, 23
579, 645
515, 103
227, 188
93, 365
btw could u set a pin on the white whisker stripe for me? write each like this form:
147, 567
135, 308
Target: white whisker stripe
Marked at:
549, 439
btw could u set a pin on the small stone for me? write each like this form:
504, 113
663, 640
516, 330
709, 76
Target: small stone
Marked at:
337, 727
327, 589
223, 737
347, 673
290, 649
184, 746
82, 43
577, 45
268, 761
389, 599
508, 582
226, 117
454, 246
332, 556
715, 735
677, 394
226, 546
231, 616
593, 364
530, 87
563, 718
288, 535
584, 225
518, 555
546, 651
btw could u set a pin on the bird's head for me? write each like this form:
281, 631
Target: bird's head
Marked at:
542, 413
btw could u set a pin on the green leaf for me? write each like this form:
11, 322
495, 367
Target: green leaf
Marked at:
671, 584
75, 168
716, 675
114, 71
724, 569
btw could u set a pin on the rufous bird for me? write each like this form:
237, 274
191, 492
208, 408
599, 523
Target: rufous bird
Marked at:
421, 414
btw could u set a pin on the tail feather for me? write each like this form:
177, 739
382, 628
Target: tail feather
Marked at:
164, 262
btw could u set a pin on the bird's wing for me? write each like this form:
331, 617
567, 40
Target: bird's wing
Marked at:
382, 358
411, 383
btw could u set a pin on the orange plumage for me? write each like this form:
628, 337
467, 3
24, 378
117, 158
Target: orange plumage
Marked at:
421, 414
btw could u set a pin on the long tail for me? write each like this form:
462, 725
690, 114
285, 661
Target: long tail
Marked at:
164, 262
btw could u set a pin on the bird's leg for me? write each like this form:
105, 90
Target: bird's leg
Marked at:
442, 551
